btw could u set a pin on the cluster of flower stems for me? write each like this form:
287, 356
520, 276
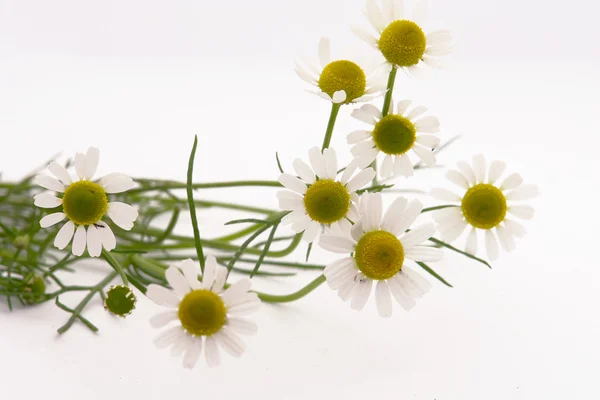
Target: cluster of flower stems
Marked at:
28, 261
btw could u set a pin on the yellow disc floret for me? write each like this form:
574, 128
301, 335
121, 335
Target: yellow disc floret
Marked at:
85, 202
379, 255
343, 75
484, 206
394, 134
327, 201
402, 43
202, 312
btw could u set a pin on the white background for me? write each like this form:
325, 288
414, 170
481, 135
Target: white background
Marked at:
139, 78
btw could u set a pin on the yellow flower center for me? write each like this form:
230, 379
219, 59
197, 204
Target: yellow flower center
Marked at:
202, 312
327, 201
343, 75
85, 202
379, 255
402, 43
394, 134
484, 206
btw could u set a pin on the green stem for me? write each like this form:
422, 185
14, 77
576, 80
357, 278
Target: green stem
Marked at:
116, 266
335, 108
428, 209
390, 89
190, 196
213, 185
271, 298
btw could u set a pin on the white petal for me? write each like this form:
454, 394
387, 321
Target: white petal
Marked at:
403, 166
417, 235
453, 232
117, 183
371, 110
289, 200
49, 183
317, 161
311, 232
427, 157
471, 246
430, 141
162, 296
230, 342
94, 241
362, 147
305, 76
496, 169
357, 136
331, 164
424, 253
292, 183
242, 326
364, 35
348, 172
523, 212
387, 11
122, 214
324, 52
400, 294
344, 276
168, 337
387, 166
220, 278
372, 219
444, 194
383, 299
46, 200
364, 160
402, 106
361, 294
339, 96
516, 228
393, 215
347, 292
433, 62
439, 50
363, 116
337, 244
523, 192
177, 281
467, 171
193, 352
374, 15
304, 171
361, 179
190, 271
439, 37
417, 279
398, 9
235, 291
357, 231
246, 307
91, 162
213, 356
79, 241
409, 216
109, 241
479, 167
60, 172
457, 178
417, 112
420, 12
491, 245
507, 241
64, 235
511, 182
300, 224
52, 219
164, 318
80, 165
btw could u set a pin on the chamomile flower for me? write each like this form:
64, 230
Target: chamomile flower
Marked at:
205, 316
378, 248
484, 205
402, 41
316, 199
394, 136
84, 203
340, 81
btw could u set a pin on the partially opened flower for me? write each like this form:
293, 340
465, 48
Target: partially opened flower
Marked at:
402, 40
394, 136
316, 198
340, 81
378, 247
84, 203
483, 205
204, 315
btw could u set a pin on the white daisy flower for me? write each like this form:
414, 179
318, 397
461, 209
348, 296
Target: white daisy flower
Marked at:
378, 247
402, 41
205, 315
316, 198
340, 81
394, 135
84, 203
484, 206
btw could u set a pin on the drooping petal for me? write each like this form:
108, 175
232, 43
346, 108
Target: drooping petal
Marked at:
471, 246
193, 352
383, 299
491, 245
213, 356
230, 342
64, 235
339, 96
79, 241
109, 241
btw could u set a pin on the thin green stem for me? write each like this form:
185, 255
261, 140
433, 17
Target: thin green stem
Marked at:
389, 91
190, 196
429, 209
116, 266
212, 185
272, 298
335, 109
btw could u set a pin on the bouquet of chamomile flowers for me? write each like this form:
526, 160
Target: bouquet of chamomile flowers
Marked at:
52, 219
